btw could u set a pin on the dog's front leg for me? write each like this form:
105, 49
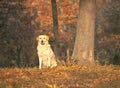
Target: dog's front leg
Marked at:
40, 63
49, 62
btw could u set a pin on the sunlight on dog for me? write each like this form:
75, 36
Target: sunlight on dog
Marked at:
45, 53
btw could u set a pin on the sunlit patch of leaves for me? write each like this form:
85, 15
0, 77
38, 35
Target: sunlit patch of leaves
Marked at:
74, 76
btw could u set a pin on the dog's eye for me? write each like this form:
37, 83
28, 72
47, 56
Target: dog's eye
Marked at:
44, 38
40, 38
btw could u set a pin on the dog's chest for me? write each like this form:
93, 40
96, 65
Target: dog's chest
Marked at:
44, 50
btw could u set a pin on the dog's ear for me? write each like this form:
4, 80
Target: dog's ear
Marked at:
47, 37
37, 38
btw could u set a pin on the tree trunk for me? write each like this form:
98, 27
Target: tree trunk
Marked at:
55, 28
18, 60
83, 51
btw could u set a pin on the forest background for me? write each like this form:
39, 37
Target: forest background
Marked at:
22, 21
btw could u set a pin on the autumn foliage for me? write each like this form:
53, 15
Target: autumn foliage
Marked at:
22, 20
74, 76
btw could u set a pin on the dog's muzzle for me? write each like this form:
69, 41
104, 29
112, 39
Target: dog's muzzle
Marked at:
42, 42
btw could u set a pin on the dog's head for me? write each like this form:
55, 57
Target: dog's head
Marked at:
43, 39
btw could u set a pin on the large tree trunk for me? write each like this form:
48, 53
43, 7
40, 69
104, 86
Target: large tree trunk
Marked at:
55, 28
83, 51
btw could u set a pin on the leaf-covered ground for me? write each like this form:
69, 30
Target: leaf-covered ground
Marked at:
74, 76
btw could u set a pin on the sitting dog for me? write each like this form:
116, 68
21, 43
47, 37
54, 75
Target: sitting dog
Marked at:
45, 53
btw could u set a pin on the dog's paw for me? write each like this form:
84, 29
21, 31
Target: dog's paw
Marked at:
39, 67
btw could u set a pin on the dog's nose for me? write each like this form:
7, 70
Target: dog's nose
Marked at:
42, 42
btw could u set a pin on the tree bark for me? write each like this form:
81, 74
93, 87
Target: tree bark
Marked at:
83, 52
55, 28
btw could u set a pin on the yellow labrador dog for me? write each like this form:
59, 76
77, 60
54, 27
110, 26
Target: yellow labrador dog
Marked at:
45, 53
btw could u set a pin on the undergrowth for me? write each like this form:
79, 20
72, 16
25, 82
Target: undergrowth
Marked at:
74, 76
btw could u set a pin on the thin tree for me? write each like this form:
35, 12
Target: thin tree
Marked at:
55, 28
83, 52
